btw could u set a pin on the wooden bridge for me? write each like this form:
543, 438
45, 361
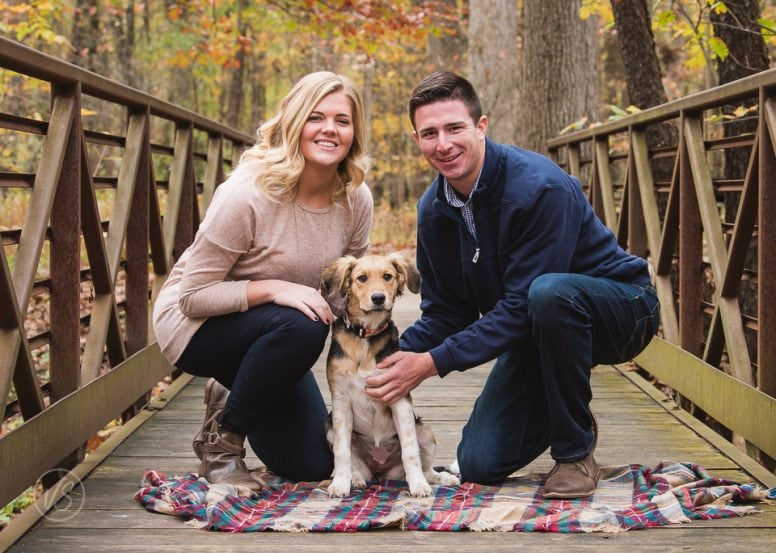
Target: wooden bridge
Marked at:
119, 183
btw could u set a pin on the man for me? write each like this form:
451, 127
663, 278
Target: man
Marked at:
516, 267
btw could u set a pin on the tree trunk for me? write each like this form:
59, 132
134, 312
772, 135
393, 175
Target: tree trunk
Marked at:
559, 83
493, 68
748, 55
644, 79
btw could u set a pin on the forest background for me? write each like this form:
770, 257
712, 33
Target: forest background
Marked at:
543, 67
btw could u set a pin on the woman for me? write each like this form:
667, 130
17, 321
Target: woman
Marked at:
241, 304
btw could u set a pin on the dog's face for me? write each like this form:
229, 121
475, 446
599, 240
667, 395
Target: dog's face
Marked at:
371, 283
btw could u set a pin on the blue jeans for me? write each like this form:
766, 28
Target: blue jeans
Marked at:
538, 393
264, 356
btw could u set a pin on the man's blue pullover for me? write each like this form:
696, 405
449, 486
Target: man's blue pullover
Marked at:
531, 218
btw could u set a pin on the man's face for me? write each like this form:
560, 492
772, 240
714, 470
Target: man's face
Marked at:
451, 142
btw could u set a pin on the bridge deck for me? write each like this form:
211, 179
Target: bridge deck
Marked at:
636, 426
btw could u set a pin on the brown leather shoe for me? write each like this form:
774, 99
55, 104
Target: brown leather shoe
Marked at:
222, 459
574, 479
215, 399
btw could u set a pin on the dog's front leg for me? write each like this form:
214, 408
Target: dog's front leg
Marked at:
342, 427
404, 419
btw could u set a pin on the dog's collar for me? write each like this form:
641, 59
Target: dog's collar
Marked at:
362, 331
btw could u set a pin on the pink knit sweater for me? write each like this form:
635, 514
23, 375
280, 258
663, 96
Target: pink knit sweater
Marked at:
247, 236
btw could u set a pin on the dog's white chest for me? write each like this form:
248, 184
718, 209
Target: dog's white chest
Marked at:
370, 418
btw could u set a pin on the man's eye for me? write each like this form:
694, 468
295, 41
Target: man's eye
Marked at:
361, 278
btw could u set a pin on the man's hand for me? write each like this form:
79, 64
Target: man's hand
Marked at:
405, 371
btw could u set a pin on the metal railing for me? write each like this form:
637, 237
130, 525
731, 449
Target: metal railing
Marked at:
710, 236
99, 352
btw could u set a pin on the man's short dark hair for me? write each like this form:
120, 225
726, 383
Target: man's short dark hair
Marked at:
441, 86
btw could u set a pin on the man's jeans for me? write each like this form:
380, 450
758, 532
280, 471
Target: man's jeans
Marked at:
538, 394
264, 356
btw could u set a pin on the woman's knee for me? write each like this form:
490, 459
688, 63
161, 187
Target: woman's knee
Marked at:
303, 329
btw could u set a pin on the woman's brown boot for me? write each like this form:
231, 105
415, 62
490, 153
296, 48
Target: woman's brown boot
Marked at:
222, 459
216, 395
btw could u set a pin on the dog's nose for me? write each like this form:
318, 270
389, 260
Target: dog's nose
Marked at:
378, 298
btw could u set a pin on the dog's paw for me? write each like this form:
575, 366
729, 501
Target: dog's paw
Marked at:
357, 482
339, 487
420, 488
447, 479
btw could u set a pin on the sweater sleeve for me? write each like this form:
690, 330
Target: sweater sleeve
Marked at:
544, 241
205, 289
226, 233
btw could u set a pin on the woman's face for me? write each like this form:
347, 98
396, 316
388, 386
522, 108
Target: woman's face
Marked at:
328, 133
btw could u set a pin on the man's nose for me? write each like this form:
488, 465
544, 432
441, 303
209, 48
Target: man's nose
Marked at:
443, 142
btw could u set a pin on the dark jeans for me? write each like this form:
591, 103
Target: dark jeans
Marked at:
538, 394
264, 356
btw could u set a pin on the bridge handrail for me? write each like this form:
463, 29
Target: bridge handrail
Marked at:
103, 361
713, 272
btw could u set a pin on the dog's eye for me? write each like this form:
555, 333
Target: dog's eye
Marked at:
361, 278
387, 277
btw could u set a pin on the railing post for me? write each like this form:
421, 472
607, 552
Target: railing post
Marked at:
766, 264
65, 250
690, 252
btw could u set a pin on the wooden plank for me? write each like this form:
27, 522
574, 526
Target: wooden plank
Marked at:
675, 539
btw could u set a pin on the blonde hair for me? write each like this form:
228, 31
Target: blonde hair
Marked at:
276, 158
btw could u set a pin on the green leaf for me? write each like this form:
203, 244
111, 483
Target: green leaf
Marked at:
767, 26
719, 47
618, 111
665, 18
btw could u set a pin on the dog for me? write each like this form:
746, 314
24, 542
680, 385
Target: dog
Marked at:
368, 438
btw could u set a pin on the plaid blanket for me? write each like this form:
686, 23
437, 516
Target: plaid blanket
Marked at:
628, 498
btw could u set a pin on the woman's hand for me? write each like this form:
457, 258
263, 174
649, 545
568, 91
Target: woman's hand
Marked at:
303, 298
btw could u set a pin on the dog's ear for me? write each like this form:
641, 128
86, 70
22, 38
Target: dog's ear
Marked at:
336, 277
408, 273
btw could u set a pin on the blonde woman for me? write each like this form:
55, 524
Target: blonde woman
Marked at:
241, 304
